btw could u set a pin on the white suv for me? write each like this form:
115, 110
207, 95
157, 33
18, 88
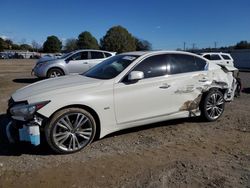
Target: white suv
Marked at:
226, 61
126, 90
223, 59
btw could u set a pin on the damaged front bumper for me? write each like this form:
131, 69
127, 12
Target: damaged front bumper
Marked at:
17, 131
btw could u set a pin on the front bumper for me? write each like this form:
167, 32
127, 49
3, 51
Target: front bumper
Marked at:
39, 72
23, 131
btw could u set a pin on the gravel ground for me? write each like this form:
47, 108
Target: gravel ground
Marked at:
179, 153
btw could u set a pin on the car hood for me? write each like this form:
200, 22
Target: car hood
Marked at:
46, 59
55, 85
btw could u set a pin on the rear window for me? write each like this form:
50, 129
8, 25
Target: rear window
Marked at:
226, 57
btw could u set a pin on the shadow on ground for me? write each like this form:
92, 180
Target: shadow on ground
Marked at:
7, 149
246, 90
26, 80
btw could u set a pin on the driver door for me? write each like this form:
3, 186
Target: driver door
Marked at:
78, 62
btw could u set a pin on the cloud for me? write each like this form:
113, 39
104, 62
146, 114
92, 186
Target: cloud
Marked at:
4, 37
158, 27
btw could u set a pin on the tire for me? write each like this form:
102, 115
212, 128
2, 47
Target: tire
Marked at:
70, 130
212, 105
238, 87
54, 72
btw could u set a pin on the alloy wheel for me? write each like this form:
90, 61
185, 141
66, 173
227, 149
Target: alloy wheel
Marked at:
214, 106
72, 131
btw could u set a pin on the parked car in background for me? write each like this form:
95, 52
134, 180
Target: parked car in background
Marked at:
124, 91
219, 58
3, 56
75, 62
226, 61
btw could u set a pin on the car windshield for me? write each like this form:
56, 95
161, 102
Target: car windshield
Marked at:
111, 67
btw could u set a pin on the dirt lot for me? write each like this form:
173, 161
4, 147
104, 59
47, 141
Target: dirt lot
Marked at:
180, 153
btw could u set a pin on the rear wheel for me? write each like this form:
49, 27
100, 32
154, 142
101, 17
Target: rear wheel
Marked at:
55, 72
212, 105
70, 130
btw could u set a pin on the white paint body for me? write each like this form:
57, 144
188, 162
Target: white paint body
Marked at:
121, 105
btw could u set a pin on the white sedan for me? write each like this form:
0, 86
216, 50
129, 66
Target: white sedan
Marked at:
127, 90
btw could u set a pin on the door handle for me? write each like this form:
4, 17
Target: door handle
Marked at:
85, 63
164, 86
204, 79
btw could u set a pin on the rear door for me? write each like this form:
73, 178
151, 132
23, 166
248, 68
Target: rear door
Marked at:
95, 58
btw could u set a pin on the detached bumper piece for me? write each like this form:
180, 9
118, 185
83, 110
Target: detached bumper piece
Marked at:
30, 134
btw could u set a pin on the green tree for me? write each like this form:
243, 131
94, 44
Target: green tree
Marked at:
142, 45
3, 45
70, 45
52, 45
26, 47
35, 45
15, 47
242, 45
9, 43
87, 41
118, 39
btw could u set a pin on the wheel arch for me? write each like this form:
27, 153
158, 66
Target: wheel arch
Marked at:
88, 109
56, 67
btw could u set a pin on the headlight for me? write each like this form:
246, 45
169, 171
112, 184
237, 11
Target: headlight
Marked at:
41, 64
26, 112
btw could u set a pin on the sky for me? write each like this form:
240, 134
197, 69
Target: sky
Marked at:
166, 24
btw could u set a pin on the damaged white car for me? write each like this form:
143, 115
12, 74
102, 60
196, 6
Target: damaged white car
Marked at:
127, 90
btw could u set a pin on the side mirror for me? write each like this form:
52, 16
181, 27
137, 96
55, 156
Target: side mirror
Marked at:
135, 75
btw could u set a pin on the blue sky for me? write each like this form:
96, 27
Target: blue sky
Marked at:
166, 24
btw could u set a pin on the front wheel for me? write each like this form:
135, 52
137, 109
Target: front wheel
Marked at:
212, 105
54, 72
70, 130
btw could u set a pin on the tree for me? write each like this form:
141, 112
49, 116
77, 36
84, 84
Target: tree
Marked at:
9, 43
242, 45
142, 45
2, 44
52, 45
118, 39
35, 45
26, 47
15, 47
70, 45
87, 41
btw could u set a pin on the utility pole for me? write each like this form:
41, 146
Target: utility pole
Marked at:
184, 46
215, 45
193, 46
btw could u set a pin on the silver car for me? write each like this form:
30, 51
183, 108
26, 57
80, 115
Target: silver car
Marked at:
72, 63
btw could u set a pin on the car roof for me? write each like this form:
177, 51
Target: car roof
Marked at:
82, 50
210, 53
142, 53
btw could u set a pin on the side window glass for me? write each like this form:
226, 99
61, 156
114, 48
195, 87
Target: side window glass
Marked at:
84, 55
207, 57
97, 55
153, 66
76, 56
200, 63
79, 56
215, 57
182, 63
226, 57
107, 54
